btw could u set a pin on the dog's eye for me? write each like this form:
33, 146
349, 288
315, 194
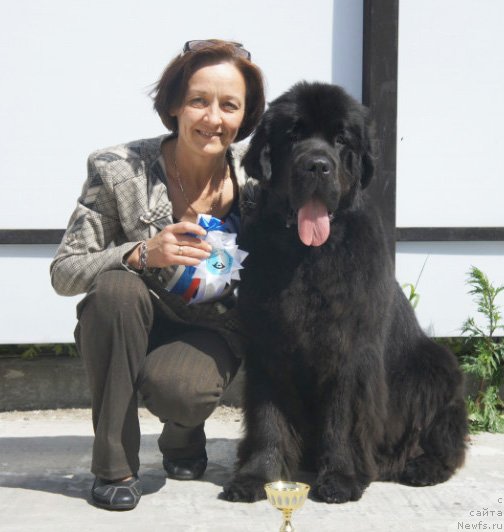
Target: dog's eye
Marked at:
295, 132
348, 158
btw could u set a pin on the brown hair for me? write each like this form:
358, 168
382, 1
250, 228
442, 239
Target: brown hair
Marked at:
170, 90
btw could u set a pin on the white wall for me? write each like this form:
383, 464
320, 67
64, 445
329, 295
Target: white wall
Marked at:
449, 142
31, 312
450, 113
76, 73
444, 302
347, 46
75, 77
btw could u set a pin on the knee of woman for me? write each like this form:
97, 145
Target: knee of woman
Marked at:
117, 289
179, 401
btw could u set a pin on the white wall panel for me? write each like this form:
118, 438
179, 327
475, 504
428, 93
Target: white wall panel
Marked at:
449, 139
444, 302
30, 311
450, 113
76, 76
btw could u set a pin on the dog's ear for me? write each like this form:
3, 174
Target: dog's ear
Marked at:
257, 159
367, 169
367, 157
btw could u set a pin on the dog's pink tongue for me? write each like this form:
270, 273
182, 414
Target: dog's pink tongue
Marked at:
313, 223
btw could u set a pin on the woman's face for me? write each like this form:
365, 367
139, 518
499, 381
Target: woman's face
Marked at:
212, 110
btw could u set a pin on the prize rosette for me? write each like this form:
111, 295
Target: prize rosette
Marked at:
208, 280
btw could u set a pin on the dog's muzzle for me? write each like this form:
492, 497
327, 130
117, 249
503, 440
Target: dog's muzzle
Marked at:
316, 166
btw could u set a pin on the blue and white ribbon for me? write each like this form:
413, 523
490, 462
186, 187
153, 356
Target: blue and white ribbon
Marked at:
224, 263
209, 279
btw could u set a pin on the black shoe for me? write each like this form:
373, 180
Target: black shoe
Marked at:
117, 494
185, 468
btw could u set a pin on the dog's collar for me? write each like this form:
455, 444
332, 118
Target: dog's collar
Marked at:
292, 218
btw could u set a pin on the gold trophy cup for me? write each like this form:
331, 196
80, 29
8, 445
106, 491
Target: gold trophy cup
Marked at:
287, 497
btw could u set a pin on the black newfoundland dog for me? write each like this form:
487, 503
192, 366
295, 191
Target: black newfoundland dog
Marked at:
340, 379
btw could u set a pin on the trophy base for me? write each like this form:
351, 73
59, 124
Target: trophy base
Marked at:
286, 527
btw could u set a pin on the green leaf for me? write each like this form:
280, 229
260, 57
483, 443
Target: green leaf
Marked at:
486, 360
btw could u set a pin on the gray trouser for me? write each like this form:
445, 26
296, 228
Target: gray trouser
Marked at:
127, 345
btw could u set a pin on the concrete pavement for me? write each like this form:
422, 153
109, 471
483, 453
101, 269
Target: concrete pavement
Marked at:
45, 482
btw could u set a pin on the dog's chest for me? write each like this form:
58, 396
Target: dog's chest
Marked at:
292, 288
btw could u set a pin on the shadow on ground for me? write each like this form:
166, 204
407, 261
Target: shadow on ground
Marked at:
60, 464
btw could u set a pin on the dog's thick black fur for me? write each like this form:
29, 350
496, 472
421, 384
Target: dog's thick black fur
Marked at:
340, 378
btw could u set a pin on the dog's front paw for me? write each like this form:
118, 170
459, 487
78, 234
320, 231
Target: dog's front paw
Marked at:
333, 488
245, 489
424, 471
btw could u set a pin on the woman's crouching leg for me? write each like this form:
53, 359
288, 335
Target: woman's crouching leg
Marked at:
182, 383
115, 319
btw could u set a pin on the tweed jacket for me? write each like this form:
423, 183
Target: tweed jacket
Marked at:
124, 201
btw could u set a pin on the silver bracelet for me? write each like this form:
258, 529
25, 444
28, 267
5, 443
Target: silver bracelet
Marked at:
142, 258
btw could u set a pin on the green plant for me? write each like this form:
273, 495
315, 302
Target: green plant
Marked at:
35, 350
413, 296
486, 361
31, 351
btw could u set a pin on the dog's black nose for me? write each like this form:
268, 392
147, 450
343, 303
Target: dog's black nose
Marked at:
317, 165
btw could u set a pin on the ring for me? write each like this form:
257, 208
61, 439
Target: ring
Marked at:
180, 250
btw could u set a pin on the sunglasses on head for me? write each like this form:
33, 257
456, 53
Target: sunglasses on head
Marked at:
193, 46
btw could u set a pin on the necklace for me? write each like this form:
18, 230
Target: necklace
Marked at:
215, 202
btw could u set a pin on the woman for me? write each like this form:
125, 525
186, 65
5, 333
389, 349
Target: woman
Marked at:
132, 230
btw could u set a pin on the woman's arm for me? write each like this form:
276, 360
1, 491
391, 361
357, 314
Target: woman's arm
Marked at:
87, 246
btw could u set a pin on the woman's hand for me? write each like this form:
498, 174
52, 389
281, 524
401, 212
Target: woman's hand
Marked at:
173, 245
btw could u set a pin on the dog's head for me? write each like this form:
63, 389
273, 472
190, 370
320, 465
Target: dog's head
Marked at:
312, 148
